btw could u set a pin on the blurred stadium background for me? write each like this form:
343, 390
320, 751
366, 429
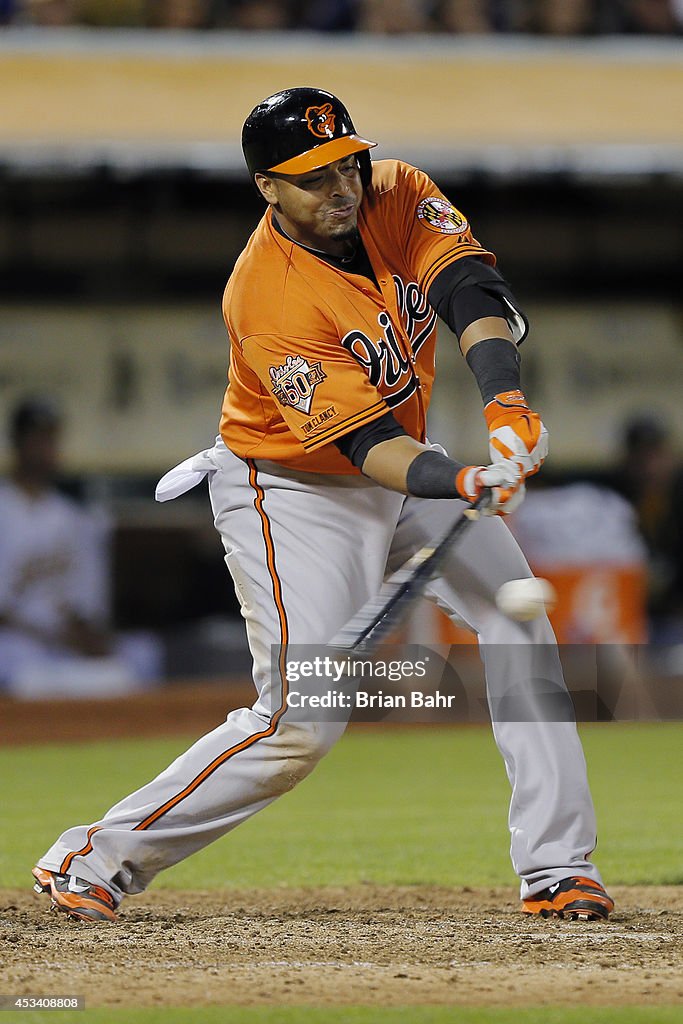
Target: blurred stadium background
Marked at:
124, 202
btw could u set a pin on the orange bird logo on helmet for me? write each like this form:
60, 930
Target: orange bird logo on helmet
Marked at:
321, 121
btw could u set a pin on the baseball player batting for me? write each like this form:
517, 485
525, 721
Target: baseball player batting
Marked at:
322, 482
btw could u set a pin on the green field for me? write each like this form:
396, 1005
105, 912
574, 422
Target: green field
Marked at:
409, 806
362, 1015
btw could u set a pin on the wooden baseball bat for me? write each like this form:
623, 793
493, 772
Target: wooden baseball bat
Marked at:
383, 612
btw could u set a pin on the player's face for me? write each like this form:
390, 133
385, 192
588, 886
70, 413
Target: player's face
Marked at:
320, 208
37, 454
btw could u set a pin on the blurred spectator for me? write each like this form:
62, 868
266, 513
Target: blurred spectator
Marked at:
183, 14
650, 17
649, 473
50, 13
556, 17
111, 13
466, 17
329, 15
263, 15
393, 18
54, 579
547, 17
8, 11
584, 538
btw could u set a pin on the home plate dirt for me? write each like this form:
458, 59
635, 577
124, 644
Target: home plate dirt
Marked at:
360, 945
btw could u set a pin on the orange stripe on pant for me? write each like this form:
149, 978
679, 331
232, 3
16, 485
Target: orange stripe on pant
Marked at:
227, 754
64, 867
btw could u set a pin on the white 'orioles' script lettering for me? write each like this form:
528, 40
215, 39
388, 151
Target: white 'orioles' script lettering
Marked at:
385, 362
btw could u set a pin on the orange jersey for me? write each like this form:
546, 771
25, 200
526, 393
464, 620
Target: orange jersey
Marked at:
317, 352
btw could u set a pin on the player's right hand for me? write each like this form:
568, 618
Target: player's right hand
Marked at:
504, 478
515, 432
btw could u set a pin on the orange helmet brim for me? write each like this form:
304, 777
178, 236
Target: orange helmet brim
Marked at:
326, 153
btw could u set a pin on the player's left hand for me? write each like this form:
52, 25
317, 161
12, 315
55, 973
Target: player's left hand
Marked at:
515, 432
503, 479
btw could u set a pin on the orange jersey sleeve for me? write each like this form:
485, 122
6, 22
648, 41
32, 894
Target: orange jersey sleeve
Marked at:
432, 232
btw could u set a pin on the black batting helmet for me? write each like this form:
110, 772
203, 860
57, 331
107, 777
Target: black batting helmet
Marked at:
299, 130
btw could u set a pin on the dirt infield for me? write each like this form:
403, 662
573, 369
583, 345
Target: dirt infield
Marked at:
362, 945
189, 708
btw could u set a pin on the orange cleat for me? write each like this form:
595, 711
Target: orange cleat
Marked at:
75, 896
575, 898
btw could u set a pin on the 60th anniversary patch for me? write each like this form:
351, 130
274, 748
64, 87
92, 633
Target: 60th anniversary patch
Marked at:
295, 382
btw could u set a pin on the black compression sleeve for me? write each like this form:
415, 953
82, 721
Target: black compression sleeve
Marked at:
495, 365
471, 303
468, 290
432, 475
357, 443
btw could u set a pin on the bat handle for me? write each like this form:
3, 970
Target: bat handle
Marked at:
480, 505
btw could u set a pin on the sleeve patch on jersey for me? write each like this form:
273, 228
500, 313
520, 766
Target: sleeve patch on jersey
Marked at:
294, 383
439, 215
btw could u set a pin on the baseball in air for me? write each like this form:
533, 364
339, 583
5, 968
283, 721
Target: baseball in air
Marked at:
526, 599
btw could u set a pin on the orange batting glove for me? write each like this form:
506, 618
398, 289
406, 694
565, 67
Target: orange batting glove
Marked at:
515, 432
505, 480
